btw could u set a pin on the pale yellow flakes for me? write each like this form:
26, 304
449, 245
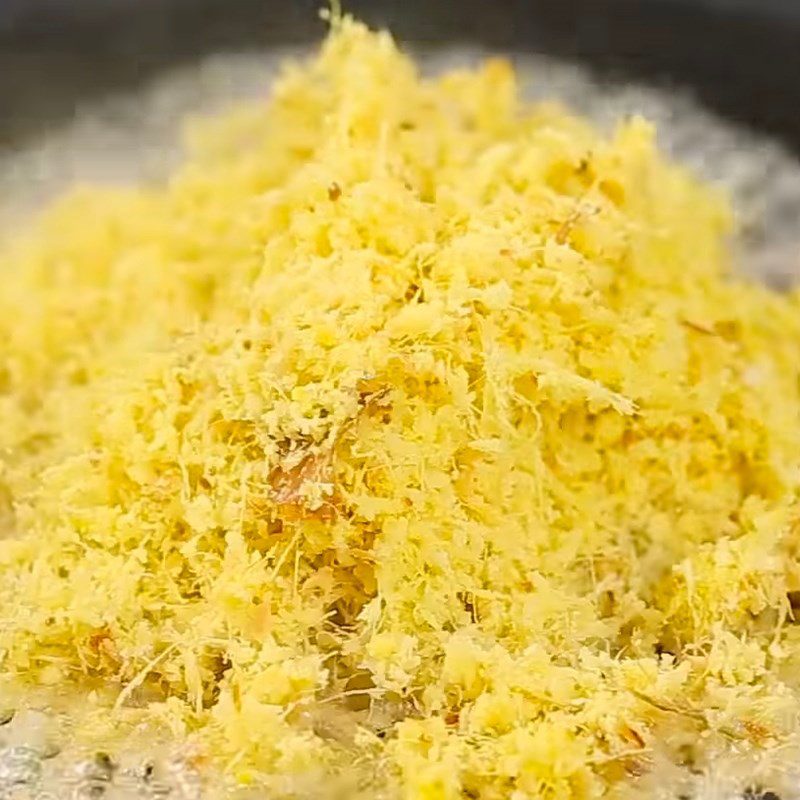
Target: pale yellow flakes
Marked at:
410, 442
392, 659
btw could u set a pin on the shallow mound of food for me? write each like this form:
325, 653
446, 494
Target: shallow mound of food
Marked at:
410, 441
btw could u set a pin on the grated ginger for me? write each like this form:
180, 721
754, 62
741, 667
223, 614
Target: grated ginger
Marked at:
410, 442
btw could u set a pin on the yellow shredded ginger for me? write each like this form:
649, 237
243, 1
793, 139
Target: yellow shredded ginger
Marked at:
411, 440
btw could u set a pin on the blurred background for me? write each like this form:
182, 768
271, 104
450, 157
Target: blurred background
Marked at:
741, 56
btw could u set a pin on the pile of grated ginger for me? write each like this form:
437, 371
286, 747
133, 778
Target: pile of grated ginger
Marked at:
410, 442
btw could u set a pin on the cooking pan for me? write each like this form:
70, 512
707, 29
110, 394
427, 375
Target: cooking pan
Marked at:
742, 57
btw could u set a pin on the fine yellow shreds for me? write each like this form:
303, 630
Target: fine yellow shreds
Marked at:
409, 437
